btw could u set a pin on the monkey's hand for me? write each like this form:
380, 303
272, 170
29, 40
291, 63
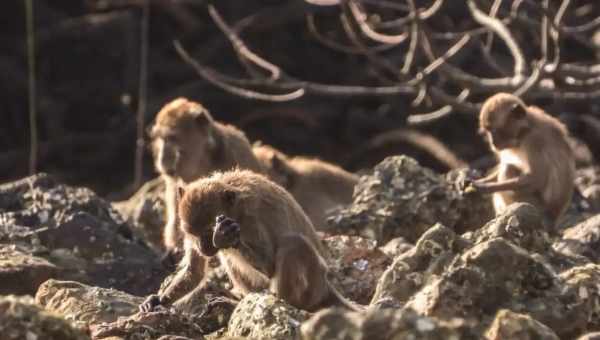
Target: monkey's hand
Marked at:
465, 182
226, 233
150, 303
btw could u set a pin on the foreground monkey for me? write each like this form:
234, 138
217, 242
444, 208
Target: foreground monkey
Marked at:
187, 143
262, 237
536, 163
316, 185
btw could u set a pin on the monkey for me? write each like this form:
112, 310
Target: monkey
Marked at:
187, 143
536, 163
316, 185
262, 237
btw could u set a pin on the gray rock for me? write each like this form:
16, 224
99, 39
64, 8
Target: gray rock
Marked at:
402, 199
21, 272
582, 239
84, 304
145, 211
337, 324
78, 232
510, 325
263, 316
21, 318
414, 268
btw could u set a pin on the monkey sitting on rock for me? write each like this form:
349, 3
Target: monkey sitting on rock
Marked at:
535, 162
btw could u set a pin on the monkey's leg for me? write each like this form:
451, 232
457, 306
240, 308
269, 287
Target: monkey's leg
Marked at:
300, 274
171, 234
521, 183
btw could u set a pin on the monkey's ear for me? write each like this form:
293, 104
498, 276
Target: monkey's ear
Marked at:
277, 163
201, 116
229, 196
180, 191
519, 112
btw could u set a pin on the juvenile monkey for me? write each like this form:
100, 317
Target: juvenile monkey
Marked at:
536, 163
187, 143
262, 237
316, 185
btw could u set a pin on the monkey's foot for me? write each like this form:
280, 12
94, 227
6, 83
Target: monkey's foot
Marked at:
226, 233
150, 303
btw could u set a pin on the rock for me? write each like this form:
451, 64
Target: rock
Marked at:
395, 247
145, 211
337, 324
509, 325
153, 325
21, 318
414, 268
582, 239
21, 273
263, 316
402, 199
581, 293
85, 304
77, 232
592, 195
356, 265
521, 224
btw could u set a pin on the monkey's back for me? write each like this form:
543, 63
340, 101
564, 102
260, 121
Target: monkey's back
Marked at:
552, 162
276, 208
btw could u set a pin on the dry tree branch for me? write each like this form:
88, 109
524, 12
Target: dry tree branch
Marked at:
214, 78
489, 39
430, 117
361, 19
241, 48
500, 29
33, 141
423, 15
414, 38
334, 45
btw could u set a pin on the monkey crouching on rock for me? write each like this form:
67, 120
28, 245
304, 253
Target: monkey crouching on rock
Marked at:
535, 162
262, 236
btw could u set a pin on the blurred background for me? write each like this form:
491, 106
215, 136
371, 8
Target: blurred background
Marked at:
378, 80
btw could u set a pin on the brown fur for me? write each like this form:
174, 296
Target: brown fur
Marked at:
187, 144
278, 247
317, 185
536, 163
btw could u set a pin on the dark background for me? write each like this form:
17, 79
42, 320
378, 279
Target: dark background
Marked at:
87, 69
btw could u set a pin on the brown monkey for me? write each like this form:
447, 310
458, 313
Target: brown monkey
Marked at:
261, 235
536, 163
187, 143
316, 185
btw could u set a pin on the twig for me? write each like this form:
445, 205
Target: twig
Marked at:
33, 148
142, 96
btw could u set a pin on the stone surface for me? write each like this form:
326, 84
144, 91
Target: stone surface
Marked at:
22, 319
402, 199
78, 233
86, 304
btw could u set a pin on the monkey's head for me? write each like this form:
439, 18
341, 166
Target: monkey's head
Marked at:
276, 165
503, 120
205, 199
184, 140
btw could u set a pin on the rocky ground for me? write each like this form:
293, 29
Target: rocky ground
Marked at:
427, 261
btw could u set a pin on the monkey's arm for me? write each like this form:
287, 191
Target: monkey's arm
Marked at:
258, 248
188, 276
492, 176
521, 183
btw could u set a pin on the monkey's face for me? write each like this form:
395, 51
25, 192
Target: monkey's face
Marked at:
183, 141
503, 123
201, 204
